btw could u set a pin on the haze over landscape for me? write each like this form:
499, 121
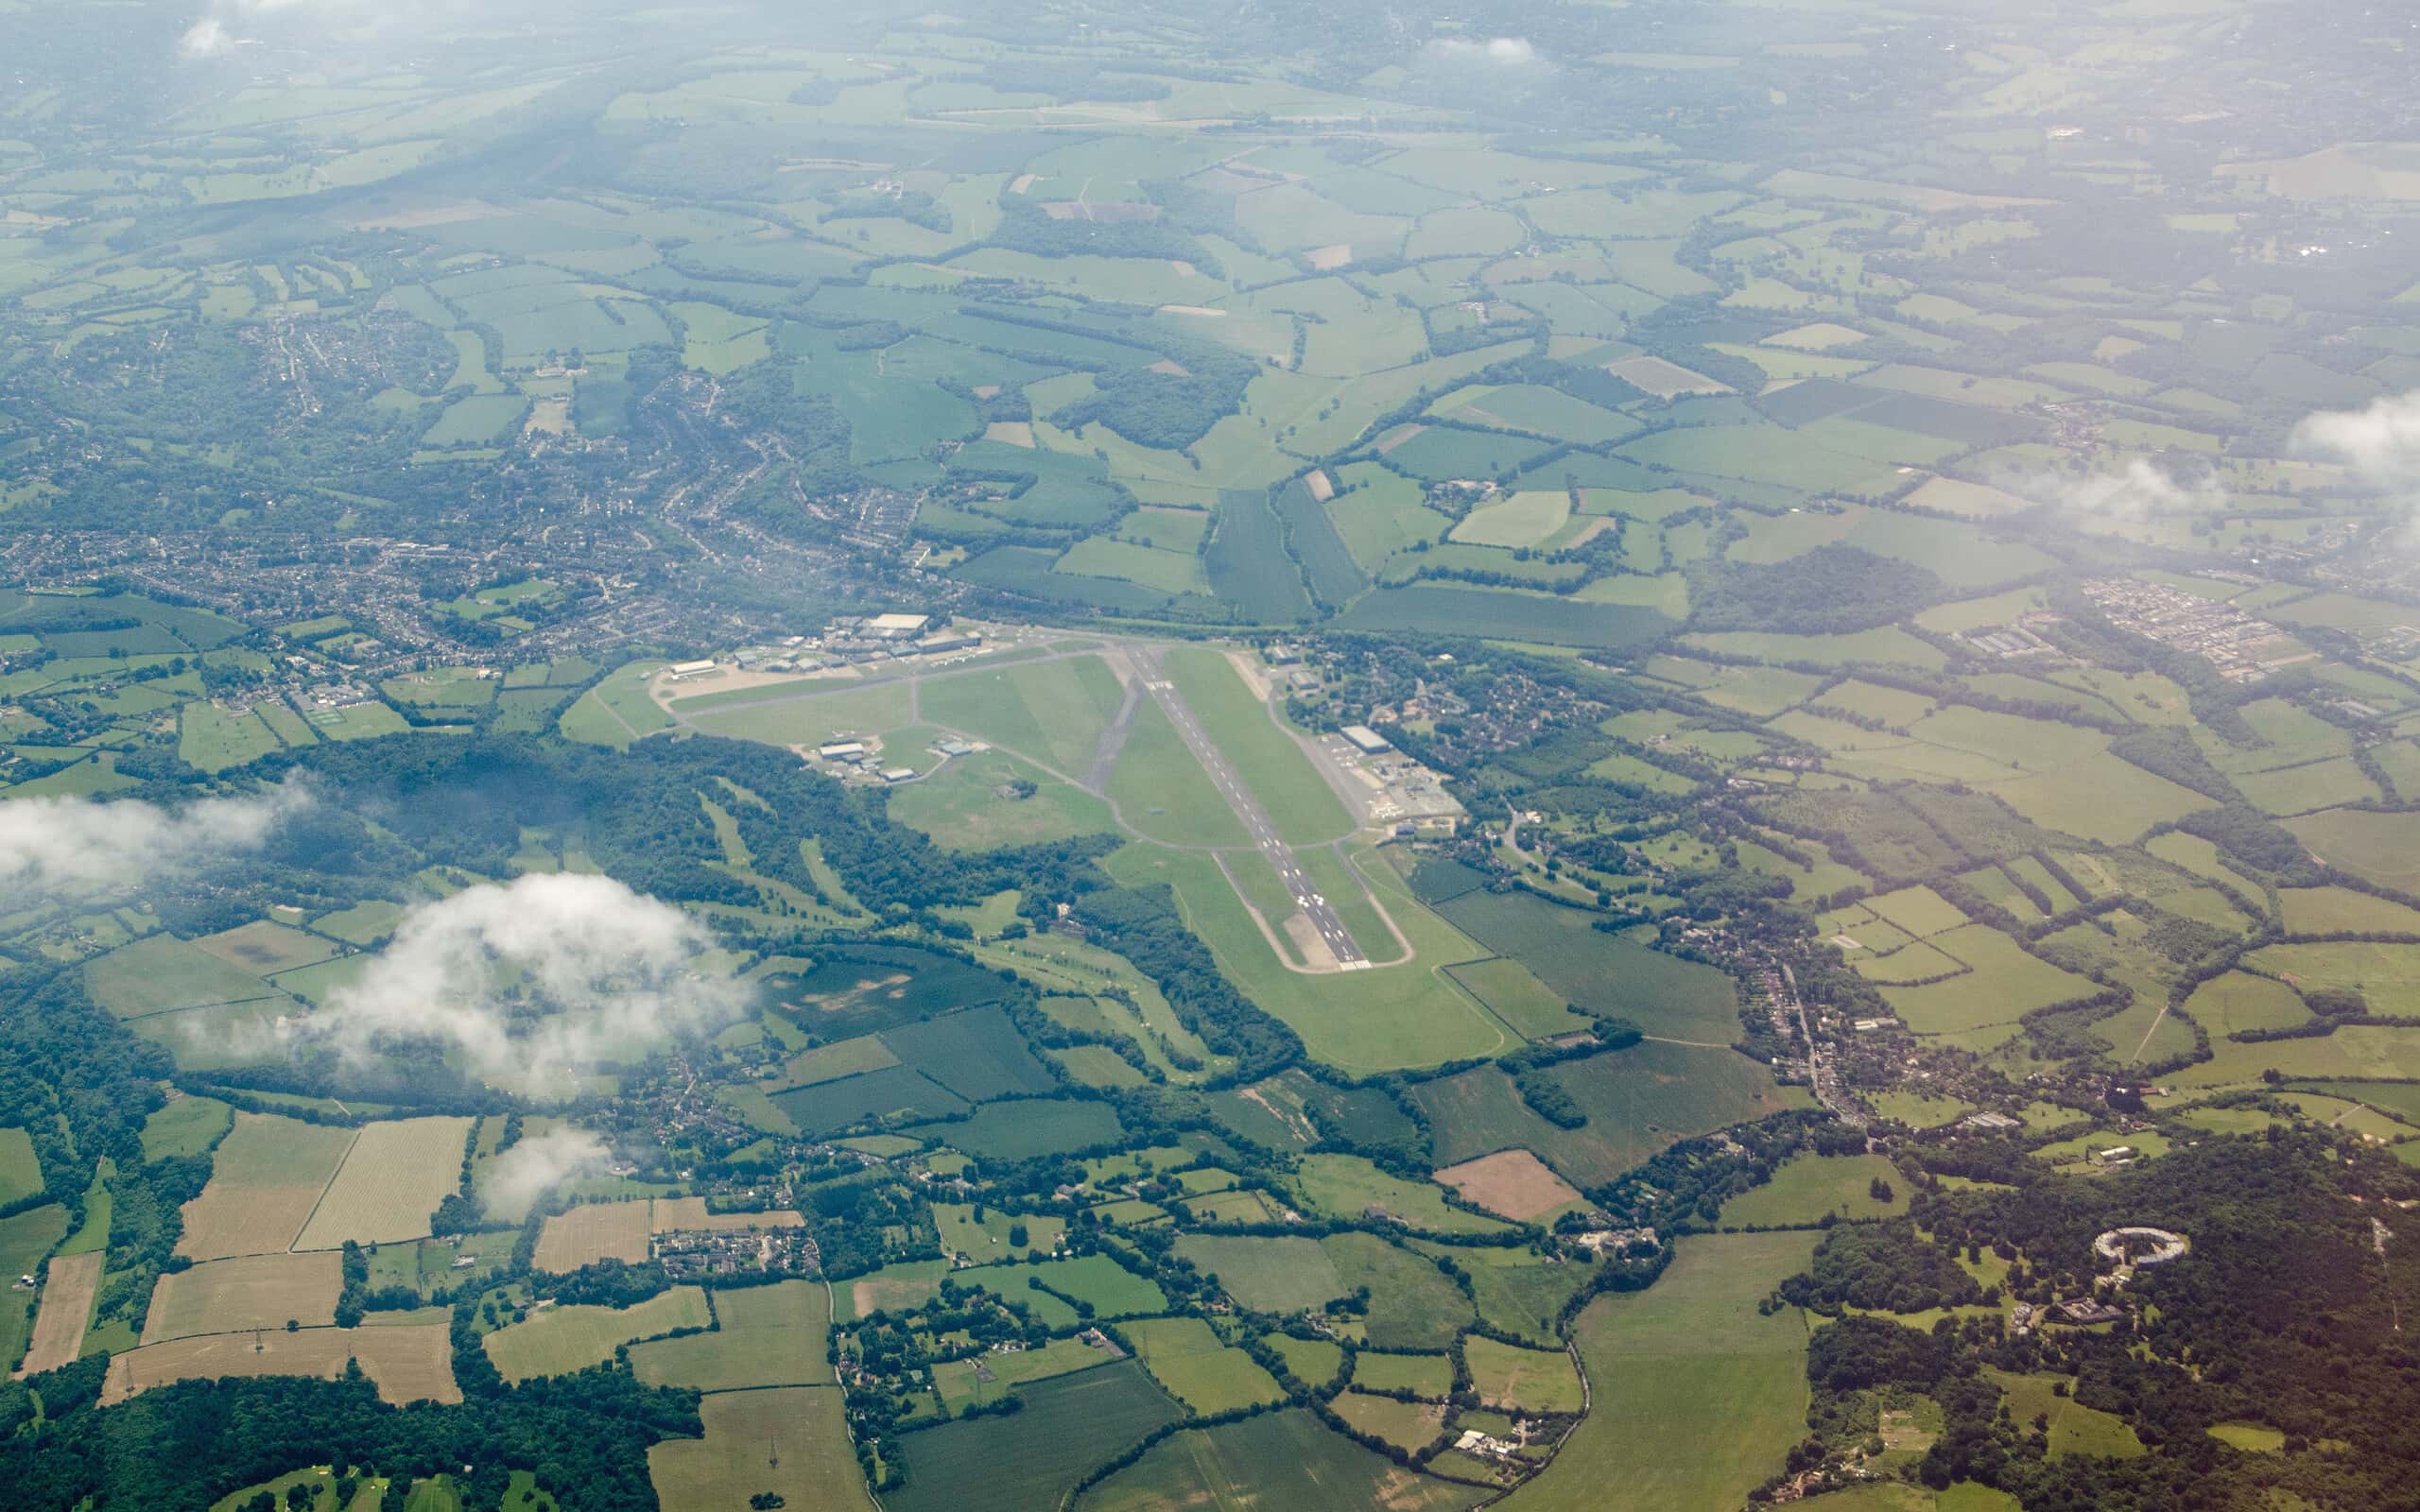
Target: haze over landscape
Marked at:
1224, 756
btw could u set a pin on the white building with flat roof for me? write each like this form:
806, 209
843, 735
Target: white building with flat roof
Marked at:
1365, 740
897, 627
683, 671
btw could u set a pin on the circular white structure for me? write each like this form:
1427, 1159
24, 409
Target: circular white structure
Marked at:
2165, 1246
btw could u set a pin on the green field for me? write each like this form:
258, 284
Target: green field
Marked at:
1185, 1357
1423, 1375
791, 1442
1684, 1365
1265, 757
162, 973
1277, 1460
1068, 1426
766, 1336
1413, 1305
1281, 1275
20, 1172
2075, 1429
1162, 792
563, 1339
1535, 1381
1637, 1101
1427, 1019
1049, 712
1809, 1188
1346, 1186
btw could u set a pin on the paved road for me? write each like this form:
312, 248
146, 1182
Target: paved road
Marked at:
1349, 955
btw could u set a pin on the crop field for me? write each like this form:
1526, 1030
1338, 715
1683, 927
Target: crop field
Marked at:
591, 1233
2005, 982
1598, 973
1187, 1360
1021, 1131
1282, 1275
1513, 1182
977, 1054
1413, 1306
1111, 1289
162, 973
668, 1214
990, 1239
69, 1285
24, 1239
1809, 1188
391, 1180
862, 990
407, 1363
1689, 1363
1509, 1377
1070, 1424
1277, 1459
184, 1125
1407, 1425
558, 1340
1423, 1375
1637, 1101
251, 1292
1348, 1186
898, 1287
267, 1178
894, 1090
962, 1383
792, 1442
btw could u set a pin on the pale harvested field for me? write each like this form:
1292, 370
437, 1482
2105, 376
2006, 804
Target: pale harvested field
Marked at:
1663, 379
408, 1363
66, 1307
266, 1176
1325, 258
389, 1183
1011, 431
669, 1214
1317, 482
597, 1230
251, 1292
1513, 1182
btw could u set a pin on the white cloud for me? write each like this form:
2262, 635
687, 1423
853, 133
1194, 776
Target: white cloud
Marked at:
532, 982
2381, 443
1504, 51
2138, 490
527, 1169
76, 847
206, 38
